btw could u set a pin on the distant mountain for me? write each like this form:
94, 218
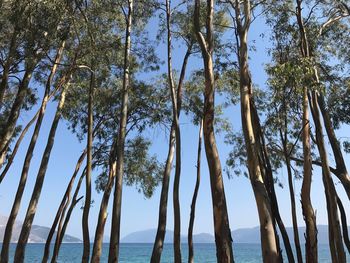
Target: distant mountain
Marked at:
147, 236
242, 235
252, 235
38, 234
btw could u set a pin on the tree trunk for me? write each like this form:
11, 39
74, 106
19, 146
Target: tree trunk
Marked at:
102, 216
308, 211
176, 111
293, 206
62, 231
195, 194
64, 203
7, 133
293, 209
21, 137
286, 154
117, 201
334, 230
342, 172
264, 161
28, 220
270, 251
27, 160
222, 231
344, 224
163, 203
85, 218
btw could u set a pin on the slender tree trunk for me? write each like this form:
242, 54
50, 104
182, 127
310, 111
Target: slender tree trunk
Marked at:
102, 217
163, 204
308, 211
176, 111
159, 240
293, 210
85, 218
7, 133
21, 137
265, 164
335, 236
117, 201
194, 198
269, 244
342, 172
293, 206
27, 161
28, 220
75, 200
15, 149
60, 211
344, 224
222, 231
284, 140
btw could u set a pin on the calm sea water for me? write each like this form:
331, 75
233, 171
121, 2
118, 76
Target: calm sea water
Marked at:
140, 253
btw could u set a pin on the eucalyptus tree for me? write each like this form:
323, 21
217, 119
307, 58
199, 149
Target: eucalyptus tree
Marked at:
303, 70
193, 106
223, 237
178, 24
117, 200
259, 170
61, 36
335, 236
32, 37
27, 161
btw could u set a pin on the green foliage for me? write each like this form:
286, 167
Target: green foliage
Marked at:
140, 170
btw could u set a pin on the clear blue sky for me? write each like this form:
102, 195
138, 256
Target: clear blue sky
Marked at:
139, 213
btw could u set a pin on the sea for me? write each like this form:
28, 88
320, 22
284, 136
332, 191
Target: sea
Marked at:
140, 253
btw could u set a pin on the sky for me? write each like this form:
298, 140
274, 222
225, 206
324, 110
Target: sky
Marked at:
139, 213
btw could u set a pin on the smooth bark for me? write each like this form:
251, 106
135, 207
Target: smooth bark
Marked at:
334, 230
102, 216
176, 113
344, 224
342, 172
117, 200
163, 203
21, 137
308, 211
270, 252
27, 160
266, 168
223, 239
75, 200
195, 194
87, 204
292, 199
63, 205
31, 210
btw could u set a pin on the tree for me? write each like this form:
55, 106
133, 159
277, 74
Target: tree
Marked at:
223, 238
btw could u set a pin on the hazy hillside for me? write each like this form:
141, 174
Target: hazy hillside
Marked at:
242, 235
38, 234
252, 235
147, 236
